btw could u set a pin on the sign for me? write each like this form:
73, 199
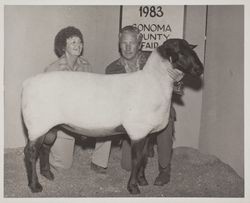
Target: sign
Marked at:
156, 23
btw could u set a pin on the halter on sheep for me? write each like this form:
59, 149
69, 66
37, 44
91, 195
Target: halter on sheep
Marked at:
99, 105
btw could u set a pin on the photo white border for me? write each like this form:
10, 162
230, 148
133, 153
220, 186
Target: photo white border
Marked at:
246, 4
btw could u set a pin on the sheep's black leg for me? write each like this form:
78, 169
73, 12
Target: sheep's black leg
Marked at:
141, 173
27, 162
137, 159
31, 156
44, 162
150, 149
47, 142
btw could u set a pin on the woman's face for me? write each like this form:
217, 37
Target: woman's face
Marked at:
74, 46
129, 45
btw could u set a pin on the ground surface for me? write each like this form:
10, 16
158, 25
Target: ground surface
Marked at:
193, 175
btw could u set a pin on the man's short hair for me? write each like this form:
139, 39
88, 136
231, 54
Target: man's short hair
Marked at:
131, 29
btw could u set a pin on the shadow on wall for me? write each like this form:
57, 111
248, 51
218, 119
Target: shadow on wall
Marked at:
193, 83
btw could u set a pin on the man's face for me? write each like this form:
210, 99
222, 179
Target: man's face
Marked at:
129, 45
74, 46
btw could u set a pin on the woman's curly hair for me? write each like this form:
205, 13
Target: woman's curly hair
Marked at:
62, 36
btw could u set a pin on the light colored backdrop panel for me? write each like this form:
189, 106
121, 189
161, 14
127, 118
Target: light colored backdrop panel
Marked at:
222, 123
157, 23
29, 38
189, 114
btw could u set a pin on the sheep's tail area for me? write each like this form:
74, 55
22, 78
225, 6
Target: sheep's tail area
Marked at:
26, 110
23, 107
24, 84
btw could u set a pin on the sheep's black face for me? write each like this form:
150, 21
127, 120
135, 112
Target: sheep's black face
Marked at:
182, 56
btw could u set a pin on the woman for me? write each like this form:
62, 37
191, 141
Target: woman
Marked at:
68, 47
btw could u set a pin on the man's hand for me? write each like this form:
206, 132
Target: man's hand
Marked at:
176, 74
178, 88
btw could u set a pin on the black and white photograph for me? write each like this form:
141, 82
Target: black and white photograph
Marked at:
124, 100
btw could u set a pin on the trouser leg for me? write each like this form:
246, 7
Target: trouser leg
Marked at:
101, 153
62, 151
164, 148
165, 145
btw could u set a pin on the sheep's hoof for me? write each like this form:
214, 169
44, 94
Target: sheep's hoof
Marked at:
142, 181
48, 174
37, 187
133, 189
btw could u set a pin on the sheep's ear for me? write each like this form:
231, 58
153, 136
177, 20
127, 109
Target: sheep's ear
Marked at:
167, 53
192, 46
173, 57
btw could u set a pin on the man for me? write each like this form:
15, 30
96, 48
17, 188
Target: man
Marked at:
133, 59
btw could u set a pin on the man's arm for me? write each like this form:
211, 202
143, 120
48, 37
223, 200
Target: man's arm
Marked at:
115, 68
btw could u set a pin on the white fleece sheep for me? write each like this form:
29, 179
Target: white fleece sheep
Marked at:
97, 104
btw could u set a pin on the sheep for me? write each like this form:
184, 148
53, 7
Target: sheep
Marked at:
101, 105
